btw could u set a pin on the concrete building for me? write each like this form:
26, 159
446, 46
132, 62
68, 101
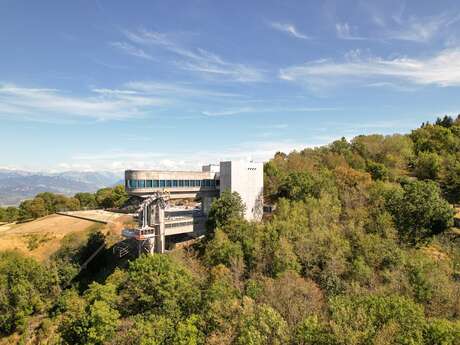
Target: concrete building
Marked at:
156, 188
246, 178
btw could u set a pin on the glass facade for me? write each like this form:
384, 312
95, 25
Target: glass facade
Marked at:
133, 184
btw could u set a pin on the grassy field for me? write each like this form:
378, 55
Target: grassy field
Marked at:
43, 237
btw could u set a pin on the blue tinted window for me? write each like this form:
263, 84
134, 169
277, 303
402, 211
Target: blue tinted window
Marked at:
141, 183
132, 183
181, 183
162, 183
186, 183
213, 183
149, 184
175, 183
155, 183
192, 183
198, 183
168, 183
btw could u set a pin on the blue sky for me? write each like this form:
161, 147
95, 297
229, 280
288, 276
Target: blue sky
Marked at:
109, 85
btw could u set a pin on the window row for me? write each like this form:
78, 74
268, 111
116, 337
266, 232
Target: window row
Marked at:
171, 183
177, 225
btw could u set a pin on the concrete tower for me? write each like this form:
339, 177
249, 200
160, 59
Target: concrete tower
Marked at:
246, 178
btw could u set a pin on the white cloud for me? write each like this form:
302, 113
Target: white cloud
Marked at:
115, 92
213, 66
252, 150
395, 85
227, 112
266, 109
135, 99
177, 89
114, 155
290, 29
417, 32
378, 19
131, 50
198, 60
103, 104
442, 69
345, 32
146, 37
399, 26
418, 29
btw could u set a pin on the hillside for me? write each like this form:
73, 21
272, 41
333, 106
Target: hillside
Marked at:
360, 250
43, 237
17, 185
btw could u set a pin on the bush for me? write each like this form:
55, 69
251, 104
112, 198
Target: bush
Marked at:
26, 288
362, 320
312, 331
260, 324
378, 171
420, 211
442, 332
427, 166
89, 320
159, 285
226, 208
220, 250
297, 186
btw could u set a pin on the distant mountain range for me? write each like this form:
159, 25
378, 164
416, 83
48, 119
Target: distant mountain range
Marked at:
17, 185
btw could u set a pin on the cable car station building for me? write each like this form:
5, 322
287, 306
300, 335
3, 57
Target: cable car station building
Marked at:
157, 219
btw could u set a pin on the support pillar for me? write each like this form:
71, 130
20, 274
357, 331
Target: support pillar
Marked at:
160, 234
139, 248
206, 202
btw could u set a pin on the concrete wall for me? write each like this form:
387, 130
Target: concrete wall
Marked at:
214, 168
247, 179
168, 175
206, 202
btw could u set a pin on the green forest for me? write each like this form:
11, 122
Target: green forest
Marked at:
361, 249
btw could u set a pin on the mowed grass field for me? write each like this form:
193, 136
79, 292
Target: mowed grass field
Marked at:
41, 238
